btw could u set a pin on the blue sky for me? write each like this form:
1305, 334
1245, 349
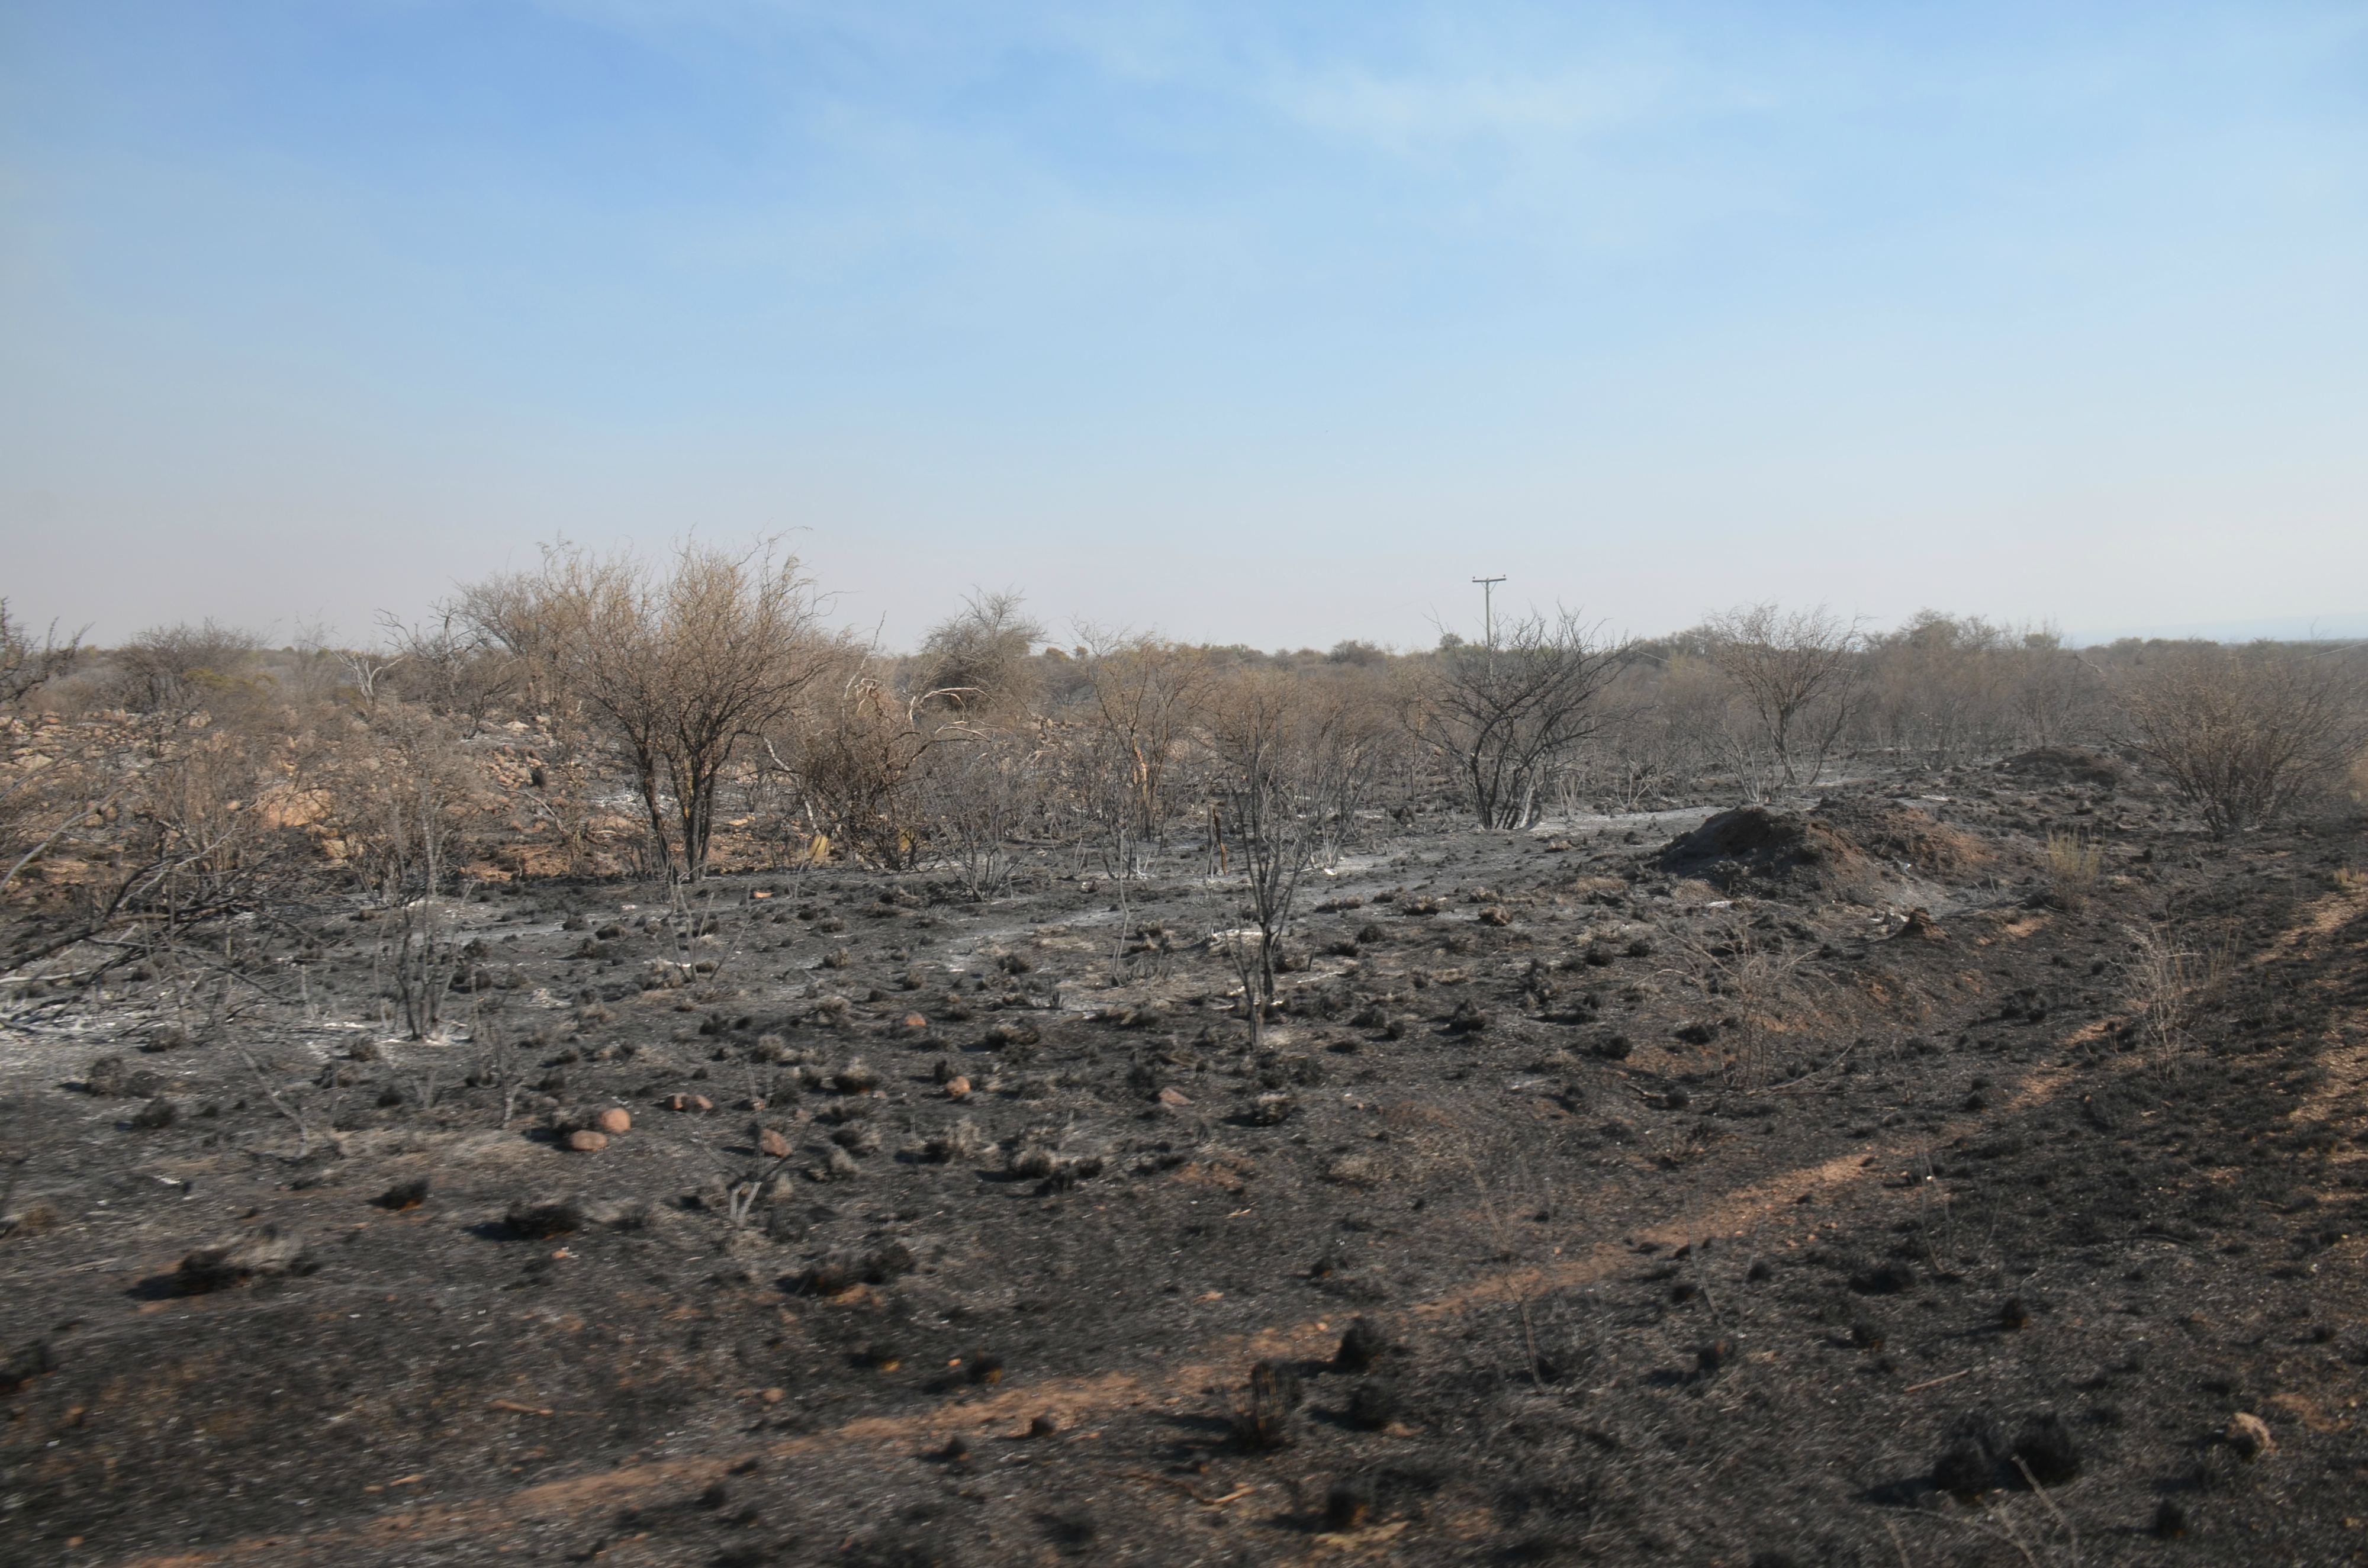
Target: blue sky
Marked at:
1257, 322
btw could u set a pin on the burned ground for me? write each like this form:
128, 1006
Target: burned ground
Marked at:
1597, 1198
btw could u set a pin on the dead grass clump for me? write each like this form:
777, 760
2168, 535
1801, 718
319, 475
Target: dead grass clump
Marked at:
961, 1141
1356, 1170
107, 1078
837, 1165
1264, 1416
30, 1221
267, 1255
2073, 863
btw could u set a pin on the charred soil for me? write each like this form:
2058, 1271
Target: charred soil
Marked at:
1808, 1189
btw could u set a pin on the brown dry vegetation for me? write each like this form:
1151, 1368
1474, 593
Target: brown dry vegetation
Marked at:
622, 1071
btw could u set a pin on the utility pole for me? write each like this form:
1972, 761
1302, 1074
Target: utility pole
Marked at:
1488, 609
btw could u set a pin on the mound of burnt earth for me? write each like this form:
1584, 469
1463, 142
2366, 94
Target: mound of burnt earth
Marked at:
1902, 835
1753, 843
2063, 764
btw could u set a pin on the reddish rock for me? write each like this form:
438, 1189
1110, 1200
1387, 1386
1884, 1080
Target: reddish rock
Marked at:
772, 1145
586, 1142
612, 1122
1174, 1098
957, 1088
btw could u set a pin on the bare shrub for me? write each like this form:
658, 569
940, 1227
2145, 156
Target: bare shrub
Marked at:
453, 664
1508, 712
979, 796
1748, 984
2244, 733
2161, 980
1279, 758
1661, 721
1941, 688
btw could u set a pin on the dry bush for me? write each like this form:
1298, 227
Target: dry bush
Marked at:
2244, 733
858, 764
1660, 727
977, 662
170, 668
407, 809
2161, 983
1143, 699
674, 668
1941, 688
452, 663
158, 832
26, 665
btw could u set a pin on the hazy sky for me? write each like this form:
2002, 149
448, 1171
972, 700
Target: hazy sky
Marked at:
1247, 322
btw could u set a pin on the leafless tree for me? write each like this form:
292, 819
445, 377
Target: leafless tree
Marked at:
1796, 673
1510, 711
